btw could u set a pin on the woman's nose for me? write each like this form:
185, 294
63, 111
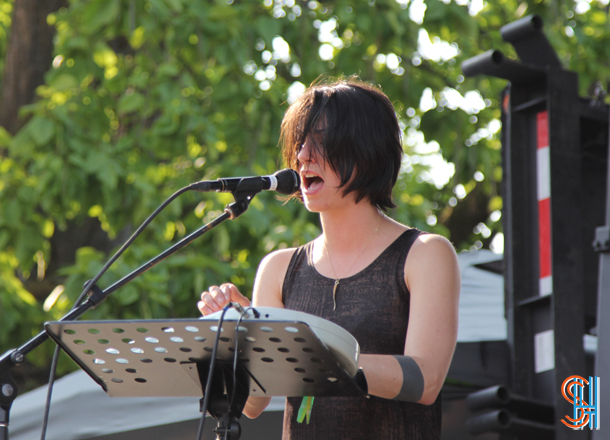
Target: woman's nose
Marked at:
305, 153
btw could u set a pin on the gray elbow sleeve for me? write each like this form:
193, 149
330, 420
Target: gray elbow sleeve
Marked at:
412, 380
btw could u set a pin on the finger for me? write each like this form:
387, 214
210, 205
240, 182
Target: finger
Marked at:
236, 295
204, 309
214, 298
222, 295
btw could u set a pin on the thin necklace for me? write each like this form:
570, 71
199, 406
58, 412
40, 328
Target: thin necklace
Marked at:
337, 279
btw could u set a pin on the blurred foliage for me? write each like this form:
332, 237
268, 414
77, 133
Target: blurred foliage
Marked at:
145, 97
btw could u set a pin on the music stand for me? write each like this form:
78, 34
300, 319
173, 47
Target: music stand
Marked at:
161, 358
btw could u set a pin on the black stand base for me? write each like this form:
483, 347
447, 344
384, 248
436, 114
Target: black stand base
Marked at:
227, 427
8, 393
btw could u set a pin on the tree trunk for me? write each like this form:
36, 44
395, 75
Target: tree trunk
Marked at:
468, 213
29, 55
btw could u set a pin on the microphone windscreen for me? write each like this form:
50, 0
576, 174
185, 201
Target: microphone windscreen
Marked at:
288, 181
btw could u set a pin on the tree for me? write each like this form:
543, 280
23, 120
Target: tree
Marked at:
145, 97
28, 57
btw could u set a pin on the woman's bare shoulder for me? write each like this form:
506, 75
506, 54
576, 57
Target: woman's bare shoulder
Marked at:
432, 245
431, 254
277, 259
270, 278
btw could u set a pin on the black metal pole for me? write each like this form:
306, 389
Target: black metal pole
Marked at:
602, 356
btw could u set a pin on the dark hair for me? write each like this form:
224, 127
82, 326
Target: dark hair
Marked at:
355, 130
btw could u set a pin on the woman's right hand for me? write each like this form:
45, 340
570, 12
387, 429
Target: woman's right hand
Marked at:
217, 297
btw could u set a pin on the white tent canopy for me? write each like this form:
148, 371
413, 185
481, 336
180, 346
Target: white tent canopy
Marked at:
80, 409
481, 313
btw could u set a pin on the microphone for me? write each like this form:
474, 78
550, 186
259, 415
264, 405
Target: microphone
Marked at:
286, 181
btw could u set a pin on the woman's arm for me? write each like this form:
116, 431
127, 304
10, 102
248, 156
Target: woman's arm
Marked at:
268, 293
433, 279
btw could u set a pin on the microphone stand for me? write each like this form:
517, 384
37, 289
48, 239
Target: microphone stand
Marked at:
243, 195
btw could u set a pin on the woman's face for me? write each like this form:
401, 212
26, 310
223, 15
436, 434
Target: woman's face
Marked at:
319, 183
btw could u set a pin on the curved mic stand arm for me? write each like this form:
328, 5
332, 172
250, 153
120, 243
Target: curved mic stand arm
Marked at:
14, 357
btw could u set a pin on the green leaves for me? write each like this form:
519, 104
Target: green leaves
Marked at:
63, 82
41, 130
131, 102
99, 13
268, 27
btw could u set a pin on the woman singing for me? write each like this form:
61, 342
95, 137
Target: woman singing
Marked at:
394, 288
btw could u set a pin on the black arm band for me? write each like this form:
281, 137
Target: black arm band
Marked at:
412, 380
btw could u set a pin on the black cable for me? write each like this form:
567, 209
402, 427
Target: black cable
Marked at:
236, 348
244, 312
47, 406
91, 283
208, 385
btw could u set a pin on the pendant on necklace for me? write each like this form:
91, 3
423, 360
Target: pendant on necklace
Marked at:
334, 294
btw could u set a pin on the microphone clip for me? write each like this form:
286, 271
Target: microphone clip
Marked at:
243, 195
95, 295
240, 205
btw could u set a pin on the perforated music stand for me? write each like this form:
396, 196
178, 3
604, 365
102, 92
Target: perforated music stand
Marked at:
162, 358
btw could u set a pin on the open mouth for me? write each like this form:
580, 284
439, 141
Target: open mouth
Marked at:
312, 181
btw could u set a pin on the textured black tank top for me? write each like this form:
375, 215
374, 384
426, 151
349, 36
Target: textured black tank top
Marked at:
373, 305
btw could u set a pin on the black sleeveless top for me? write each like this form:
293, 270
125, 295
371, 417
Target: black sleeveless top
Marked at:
373, 305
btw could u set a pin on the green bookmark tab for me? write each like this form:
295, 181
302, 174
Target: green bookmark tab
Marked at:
305, 409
